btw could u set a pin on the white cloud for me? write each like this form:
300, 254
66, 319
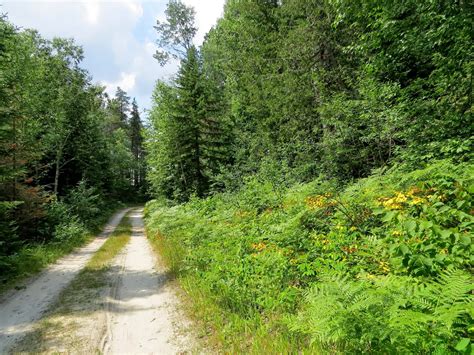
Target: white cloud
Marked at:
207, 13
150, 48
126, 82
92, 11
135, 7
117, 35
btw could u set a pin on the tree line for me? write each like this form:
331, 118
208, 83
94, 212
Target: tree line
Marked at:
296, 89
65, 144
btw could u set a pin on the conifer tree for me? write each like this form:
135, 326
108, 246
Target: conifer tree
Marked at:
123, 105
188, 114
136, 140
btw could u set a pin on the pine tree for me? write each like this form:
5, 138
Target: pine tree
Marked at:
215, 131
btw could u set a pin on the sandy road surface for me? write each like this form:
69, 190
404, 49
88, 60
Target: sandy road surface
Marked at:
21, 309
142, 312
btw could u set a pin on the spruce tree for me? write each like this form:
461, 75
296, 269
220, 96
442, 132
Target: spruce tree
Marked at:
188, 115
136, 140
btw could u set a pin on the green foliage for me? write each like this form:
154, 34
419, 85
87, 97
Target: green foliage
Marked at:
69, 230
340, 170
388, 313
9, 237
175, 35
57, 131
137, 148
186, 143
384, 263
380, 82
84, 202
365, 134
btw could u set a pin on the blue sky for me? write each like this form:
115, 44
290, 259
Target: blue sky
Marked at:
117, 36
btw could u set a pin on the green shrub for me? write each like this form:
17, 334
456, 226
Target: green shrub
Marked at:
84, 202
8, 236
69, 230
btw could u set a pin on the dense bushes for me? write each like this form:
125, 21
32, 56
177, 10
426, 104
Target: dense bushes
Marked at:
382, 264
59, 227
390, 314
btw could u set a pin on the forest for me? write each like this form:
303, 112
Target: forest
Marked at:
308, 170
69, 153
311, 165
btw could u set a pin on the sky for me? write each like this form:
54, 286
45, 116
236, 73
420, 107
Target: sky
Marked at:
117, 36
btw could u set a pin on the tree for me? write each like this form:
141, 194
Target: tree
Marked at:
160, 144
63, 144
188, 114
70, 81
123, 105
176, 169
136, 139
175, 35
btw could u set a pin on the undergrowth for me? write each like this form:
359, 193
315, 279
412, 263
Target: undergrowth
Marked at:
69, 234
383, 265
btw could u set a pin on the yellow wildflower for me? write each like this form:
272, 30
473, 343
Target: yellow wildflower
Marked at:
391, 204
384, 266
259, 246
320, 201
314, 202
417, 200
400, 198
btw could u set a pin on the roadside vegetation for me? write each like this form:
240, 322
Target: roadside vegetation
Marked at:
381, 265
81, 303
311, 165
67, 231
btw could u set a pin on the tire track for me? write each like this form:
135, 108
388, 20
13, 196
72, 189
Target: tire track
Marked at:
22, 309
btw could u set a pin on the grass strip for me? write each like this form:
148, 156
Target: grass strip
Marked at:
92, 276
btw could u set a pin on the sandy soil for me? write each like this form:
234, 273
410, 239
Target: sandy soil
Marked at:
20, 310
142, 313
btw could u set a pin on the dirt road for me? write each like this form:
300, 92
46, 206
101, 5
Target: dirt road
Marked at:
20, 310
135, 312
143, 314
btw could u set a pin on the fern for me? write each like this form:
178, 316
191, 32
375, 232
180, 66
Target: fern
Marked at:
388, 314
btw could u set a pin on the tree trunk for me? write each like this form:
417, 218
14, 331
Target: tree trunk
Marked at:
56, 173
